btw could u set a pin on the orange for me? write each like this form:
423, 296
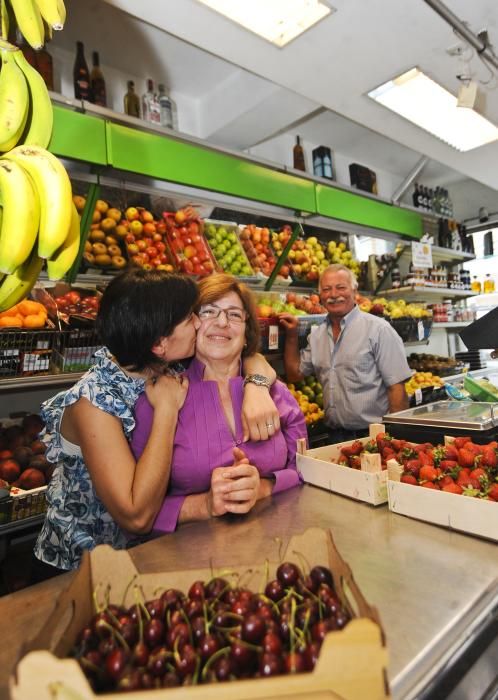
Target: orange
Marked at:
79, 202
35, 320
107, 224
96, 216
11, 322
28, 307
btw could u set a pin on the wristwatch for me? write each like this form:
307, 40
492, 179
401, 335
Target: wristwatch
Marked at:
258, 379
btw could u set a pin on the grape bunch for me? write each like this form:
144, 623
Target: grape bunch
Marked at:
217, 632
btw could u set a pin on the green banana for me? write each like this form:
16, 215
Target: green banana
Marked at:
54, 191
14, 101
4, 20
62, 260
41, 115
49, 10
21, 216
29, 21
16, 287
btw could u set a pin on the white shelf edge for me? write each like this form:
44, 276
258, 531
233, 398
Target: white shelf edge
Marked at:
451, 324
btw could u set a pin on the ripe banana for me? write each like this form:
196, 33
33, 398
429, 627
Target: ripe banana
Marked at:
40, 115
54, 191
62, 260
29, 21
4, 20
21, 216
16, 287
14, 101
50, 11
62, 10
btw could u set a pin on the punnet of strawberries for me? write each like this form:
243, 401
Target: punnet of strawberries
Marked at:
461, 467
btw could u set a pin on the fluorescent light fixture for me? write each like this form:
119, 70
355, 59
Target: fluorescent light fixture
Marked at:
416, 97
278, 21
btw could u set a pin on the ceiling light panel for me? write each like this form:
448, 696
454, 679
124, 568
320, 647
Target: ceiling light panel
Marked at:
277, 21
418, 98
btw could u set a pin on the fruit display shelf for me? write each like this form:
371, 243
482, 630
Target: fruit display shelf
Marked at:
223, 240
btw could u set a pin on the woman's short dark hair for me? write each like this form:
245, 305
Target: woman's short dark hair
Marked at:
138, 308
215, 287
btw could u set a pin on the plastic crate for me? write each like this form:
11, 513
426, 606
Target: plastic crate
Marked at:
478, 392
25, 353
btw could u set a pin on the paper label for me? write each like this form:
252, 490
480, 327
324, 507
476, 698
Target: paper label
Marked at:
421, 255
420, 330
418, 396
273, 338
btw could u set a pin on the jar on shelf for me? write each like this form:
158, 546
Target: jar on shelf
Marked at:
448, 306
395, 277
489, 284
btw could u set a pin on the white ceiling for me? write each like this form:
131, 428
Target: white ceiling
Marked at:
249, 90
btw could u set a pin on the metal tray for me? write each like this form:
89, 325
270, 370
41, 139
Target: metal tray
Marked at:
452, 414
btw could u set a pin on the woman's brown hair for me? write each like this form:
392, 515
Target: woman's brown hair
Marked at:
215, 287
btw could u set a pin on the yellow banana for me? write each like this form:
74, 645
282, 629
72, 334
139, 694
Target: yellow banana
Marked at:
14, 101
4, 20
61, 261
29, 21
49, 10
54, 191
41, 115
21, 215
62, 10
16, 287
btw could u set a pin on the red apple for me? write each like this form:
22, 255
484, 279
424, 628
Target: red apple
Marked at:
9, 470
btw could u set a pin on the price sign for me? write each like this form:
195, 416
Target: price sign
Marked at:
418, 397
421, 255
420, 330
273, 338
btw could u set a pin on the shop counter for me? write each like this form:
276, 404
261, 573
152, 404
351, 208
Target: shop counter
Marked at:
436, 590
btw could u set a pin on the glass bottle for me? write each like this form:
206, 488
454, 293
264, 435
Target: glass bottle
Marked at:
476, 285
489, 284
132, 101
97, 82
165, 107
81, 75
415, 195
298, 155
150, 105
45, 67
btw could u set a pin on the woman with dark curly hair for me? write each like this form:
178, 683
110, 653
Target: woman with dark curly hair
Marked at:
213, 471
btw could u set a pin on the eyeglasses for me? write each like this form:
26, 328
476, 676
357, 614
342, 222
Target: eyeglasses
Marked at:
234, 315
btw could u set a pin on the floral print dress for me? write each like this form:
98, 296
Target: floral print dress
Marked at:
76, 518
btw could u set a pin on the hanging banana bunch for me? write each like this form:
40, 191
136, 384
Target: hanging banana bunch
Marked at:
35, 19
38, 220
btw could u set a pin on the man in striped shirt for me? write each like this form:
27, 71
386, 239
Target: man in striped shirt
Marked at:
358, 358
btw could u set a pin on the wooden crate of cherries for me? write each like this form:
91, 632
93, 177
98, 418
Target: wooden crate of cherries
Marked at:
274, 628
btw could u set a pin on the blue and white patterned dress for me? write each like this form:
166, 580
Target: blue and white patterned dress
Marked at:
76, 518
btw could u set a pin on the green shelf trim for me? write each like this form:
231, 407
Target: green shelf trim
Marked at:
351, 207
189, 164
78, 136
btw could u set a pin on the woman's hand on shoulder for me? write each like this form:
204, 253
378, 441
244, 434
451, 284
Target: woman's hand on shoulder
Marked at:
167, 391
259, 415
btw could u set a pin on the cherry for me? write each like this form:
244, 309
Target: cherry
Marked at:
130, 680
177, 636
87, 638
146, 679
129, 632
320, 574
208, 645
170, 680
270, 665
101, 625
307, 613
135, 613
311, 654
158, 660
198, 627
176, 617
107, 645
194, 608
223, 668
242, 657
216, 588
288, 574
196, 590
272, 644
155, 608
341, 619
294, 662
153, 632
186, 662
253, 629
115, 663
321, 628
140, 654
172, 599
306, 585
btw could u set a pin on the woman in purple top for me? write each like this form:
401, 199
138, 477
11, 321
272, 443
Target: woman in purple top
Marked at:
213, 471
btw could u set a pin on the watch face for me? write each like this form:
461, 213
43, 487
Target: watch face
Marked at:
259, 379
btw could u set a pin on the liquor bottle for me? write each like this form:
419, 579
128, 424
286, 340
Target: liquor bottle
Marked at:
81, 75
298, 155
426, 198
132, 101
165, 107
415, 195
476, 285
45, 67
420, 197
150, 105
97, 82
430, 200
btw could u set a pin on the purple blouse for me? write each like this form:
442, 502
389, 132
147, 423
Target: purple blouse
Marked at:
204, 441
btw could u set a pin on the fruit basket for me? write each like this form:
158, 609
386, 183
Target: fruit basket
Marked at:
25, 353
222, 238
255, 241
350, 664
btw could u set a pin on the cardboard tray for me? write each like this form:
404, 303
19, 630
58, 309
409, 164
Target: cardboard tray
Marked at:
352, 661
318, 468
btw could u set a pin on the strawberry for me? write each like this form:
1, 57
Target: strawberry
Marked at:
465, 457
383, 440
426, 458
409, 479
398, 444
459, 442
446, 479
355, 462
343, 460
429, 485
356, 447
387, 453
428, 473
452, 488
472, 447
493, 492
413, 467
450, 452
489, 458
478, 474
447, 465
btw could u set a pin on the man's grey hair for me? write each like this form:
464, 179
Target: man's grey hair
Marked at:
337, 267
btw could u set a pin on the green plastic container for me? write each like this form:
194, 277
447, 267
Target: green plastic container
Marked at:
478, 392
